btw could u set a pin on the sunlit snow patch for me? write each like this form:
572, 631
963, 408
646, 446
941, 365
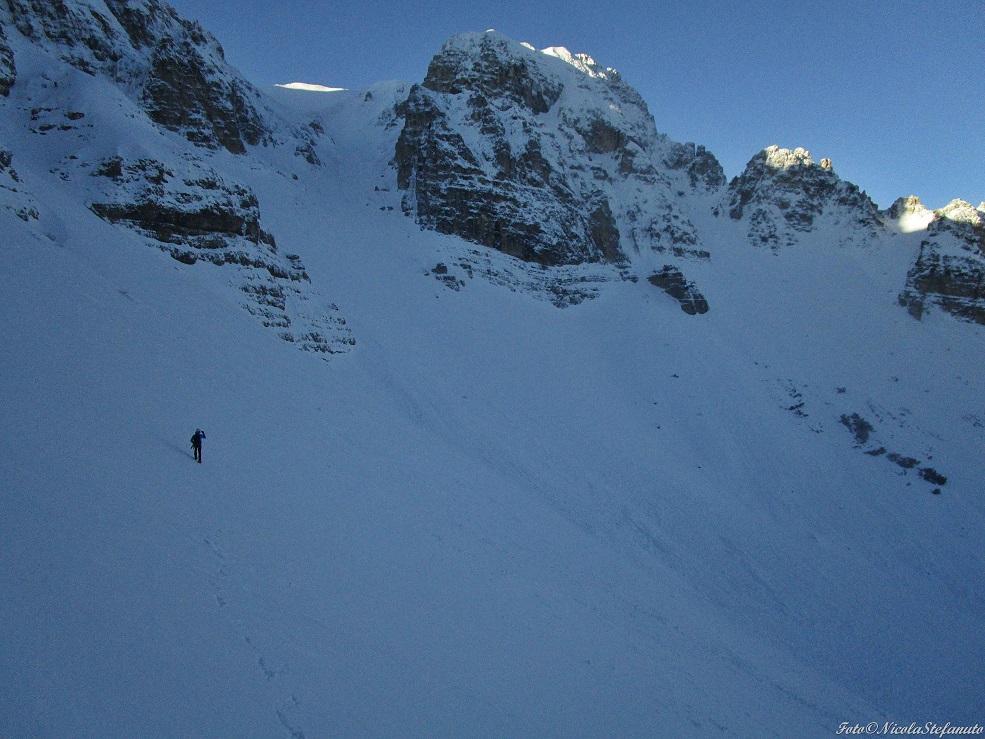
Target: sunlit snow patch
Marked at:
310, 88
911, 222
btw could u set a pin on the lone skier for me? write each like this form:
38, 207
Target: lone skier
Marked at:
197, 444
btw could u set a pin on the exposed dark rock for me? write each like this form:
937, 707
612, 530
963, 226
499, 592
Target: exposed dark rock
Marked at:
783, 193
601, 137
701, 166
12, 194
86, 40
175, 68
932, 476
907, 463
479, 157
860, 428
8, 72
950, 268
199, 217
863, 431
205, 213
672, 281
184, 94
491, 73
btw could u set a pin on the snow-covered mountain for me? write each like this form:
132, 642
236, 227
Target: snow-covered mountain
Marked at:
604, 444
543, 155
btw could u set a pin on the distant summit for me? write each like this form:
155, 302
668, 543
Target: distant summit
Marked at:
783, 193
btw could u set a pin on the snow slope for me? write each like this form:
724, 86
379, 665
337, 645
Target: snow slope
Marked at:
492, 516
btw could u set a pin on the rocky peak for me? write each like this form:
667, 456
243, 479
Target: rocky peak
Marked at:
491, 65
950, 269
172, 66
155, 186
532, 153
909, 214
961, 217
782, 193
907, 207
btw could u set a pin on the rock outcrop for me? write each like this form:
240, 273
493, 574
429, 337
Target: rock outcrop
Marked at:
13, 197
534, 153
169, 75
671, 280
172, 66
197, 215
783, 194
8, 71
950, 268
909, 214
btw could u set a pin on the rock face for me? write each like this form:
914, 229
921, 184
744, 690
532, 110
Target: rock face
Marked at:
672, 281
12, 194
782, 194
163, 74
197, 215
909, 214
524, 151
950, 269
8, 71
174, 67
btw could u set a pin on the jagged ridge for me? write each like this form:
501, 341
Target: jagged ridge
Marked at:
174, 67
523, 150
783, 193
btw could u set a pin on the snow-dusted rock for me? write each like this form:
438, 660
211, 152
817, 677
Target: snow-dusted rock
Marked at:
173, 66
783, 193
546, 156
909, 214
950, 269
8, 70
671, 280
109, 83
13, 197
197, 215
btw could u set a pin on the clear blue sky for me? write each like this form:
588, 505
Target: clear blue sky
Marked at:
893, 91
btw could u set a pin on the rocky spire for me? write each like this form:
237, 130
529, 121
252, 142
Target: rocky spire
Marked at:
782, 193
909, 214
